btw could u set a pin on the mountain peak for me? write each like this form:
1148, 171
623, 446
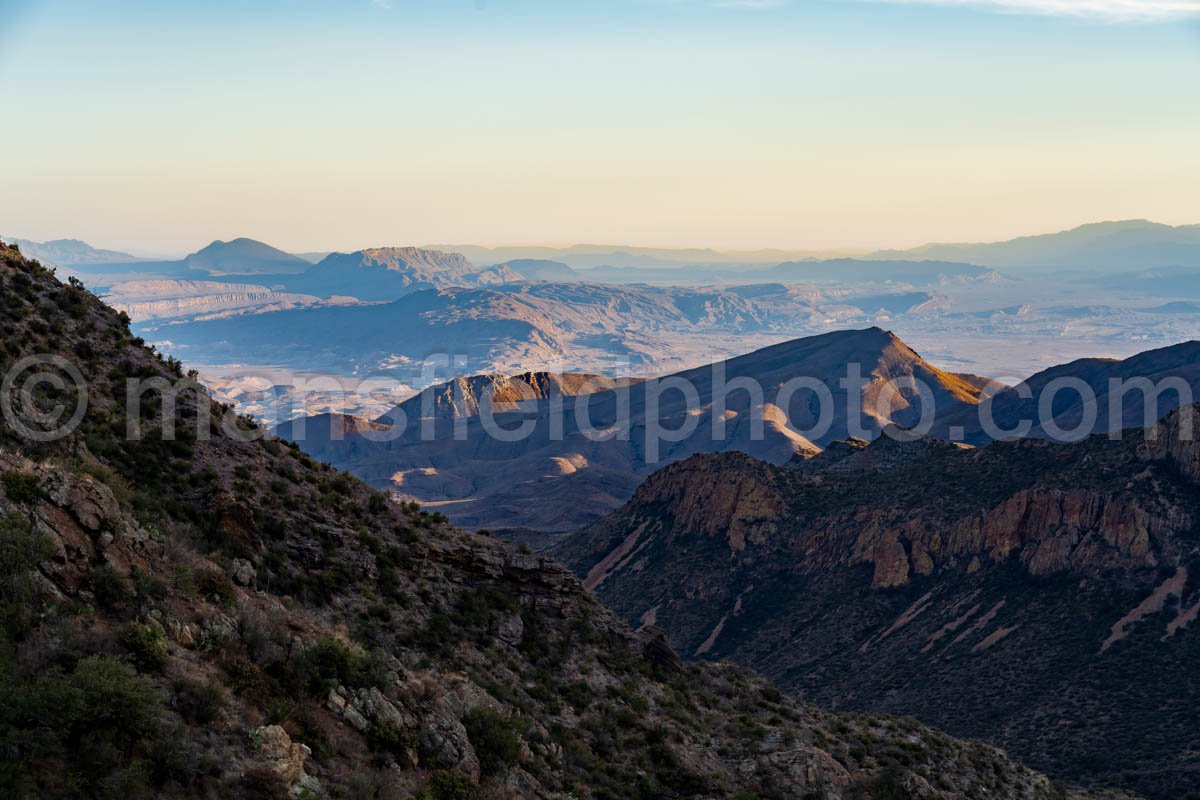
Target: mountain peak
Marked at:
243, 256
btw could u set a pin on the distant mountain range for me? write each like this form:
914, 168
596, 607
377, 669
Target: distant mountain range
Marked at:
1111, 246
537, 269
1108, 246
389, 273
66, 252
527, 326
1129, 245
588, 256
849, 270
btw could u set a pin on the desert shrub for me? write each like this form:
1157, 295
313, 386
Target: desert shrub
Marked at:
21, 550
450, 785
184, 579
200, 702
248, 680
262, 783
147, 645
110, 589
475, 617
147, 586
215, 584
211, 637
306, 729
21, 487
329, 663
72, 733
887, 786
392, 738
494, 738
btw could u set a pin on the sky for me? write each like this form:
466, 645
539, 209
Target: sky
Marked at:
804, 124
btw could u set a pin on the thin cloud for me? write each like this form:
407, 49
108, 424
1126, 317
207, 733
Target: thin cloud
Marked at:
1115, 10
1110, 10
753, 5
745, 5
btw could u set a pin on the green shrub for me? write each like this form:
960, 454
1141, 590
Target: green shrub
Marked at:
185, 579
147, 645
147, 586
211, 637
215, 584
494, 738
78, 730
110, 589
248, 680
21, 487
392, 738
201, 702
887, 785
450, 785
329, 663
21, 550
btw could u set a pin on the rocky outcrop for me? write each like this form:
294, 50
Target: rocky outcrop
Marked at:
728, 496
282, 757
1175, 440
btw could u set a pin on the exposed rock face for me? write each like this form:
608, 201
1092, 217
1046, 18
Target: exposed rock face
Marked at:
977, 589
150, 300
284, 758
89, 503
891, 564
1174, 439
727, 503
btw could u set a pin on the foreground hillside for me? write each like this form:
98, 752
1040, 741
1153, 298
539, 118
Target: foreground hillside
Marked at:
1041, 596
218, 617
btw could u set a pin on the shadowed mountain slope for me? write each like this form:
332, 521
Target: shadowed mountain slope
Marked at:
597, 448
384, 273
1117, 394
538, 269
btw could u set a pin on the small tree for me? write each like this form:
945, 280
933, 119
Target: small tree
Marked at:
494, 738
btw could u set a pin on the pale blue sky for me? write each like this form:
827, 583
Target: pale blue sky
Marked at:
317, 124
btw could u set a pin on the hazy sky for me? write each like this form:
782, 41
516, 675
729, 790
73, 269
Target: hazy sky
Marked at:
319, 124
